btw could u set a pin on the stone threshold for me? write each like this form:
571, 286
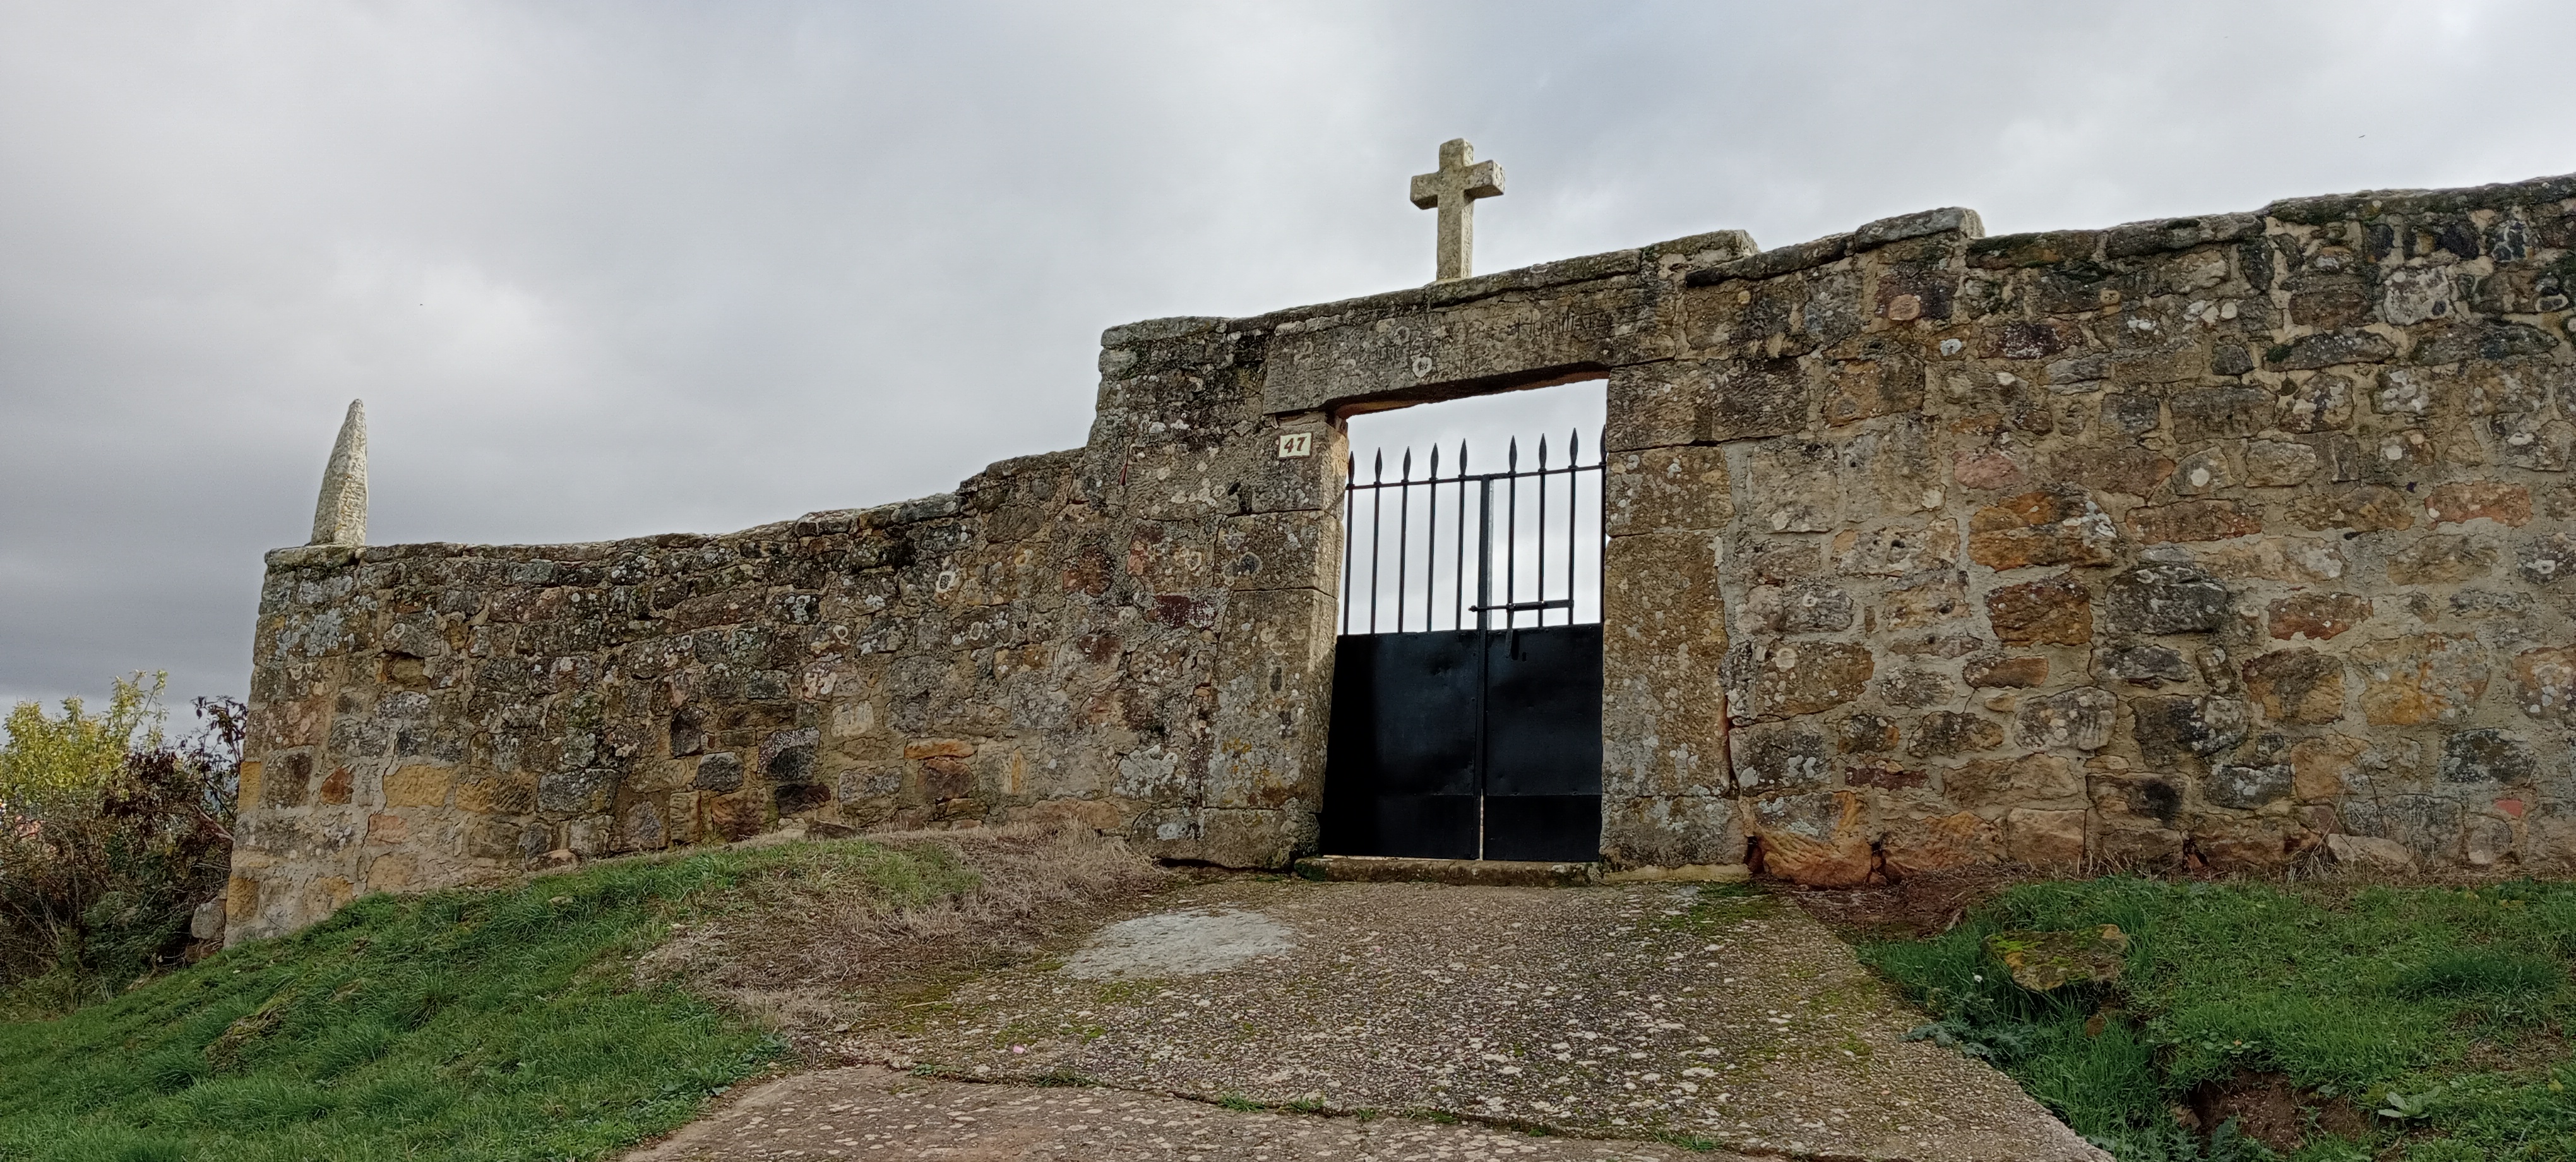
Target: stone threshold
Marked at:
1508, 873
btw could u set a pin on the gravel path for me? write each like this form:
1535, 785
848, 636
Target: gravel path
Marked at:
1632, 1011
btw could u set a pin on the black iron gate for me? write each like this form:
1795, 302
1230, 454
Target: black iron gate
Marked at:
1480, 738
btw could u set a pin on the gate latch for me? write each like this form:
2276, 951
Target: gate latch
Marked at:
1518, 606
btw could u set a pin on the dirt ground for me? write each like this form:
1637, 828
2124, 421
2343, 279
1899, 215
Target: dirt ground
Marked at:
1647, 1015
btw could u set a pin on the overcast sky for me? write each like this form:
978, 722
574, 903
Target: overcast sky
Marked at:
619, 268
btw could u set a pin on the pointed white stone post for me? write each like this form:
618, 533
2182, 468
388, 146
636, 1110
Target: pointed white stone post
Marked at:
340, 516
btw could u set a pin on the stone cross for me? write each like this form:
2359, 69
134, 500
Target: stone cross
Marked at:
340, 516
1453, 188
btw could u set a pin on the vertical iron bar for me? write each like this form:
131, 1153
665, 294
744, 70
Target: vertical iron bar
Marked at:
1350, 514
1458, 587
1377, 518
1484, 553
1403, 534
1541, 595
1573, 505
1484, 639
1511, 530
1431, 547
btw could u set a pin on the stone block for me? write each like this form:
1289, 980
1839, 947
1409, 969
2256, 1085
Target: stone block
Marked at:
2468, 500
2319, 766
2427, 826
1255, 837
2330, 349
2167, 599
1864, 734
2128, 844
2440, 559
2315, 403
2246, 788
418, 786
2057, 526
1414, 342
2544, 682
2178, 732
2219, 412
1934, 595
2248, 846
1987, 671
286, 780
1781, 756
1858, 389
1753, 398
1666, 490
2278, 463
2080, 718
2371, 854
2126, 469
1811, 677
1952, 733
2193, 520
719, 772
2302, 687
787, 756
1884, 774
1817, 839
2358, 507
1799, 607
2052, 611
584, 791
2143, 664
2420, 679
2031, 780
1790, 486
1896, 551
2316, 616
2047, 840
1274, 665
1941, 843
1266, 481
2152, 798
2203, 472
1664, 645
1915, 688
2542, 560
1650, 406
2297, 560
1671, 831
1280, 550
2488, 756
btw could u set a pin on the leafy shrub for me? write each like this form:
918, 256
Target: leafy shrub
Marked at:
110, 837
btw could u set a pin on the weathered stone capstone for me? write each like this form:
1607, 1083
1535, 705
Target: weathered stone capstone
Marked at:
340, 516
2235, 540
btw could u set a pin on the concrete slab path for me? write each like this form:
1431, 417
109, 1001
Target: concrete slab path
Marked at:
873, 1112
1272, 1018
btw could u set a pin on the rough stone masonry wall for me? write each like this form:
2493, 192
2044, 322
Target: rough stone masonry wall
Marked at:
2218, 539
1092, 634
2206, 539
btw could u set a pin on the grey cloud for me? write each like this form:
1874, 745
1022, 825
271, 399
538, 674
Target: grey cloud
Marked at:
602, 269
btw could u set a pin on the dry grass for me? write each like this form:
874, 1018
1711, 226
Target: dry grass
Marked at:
837, 931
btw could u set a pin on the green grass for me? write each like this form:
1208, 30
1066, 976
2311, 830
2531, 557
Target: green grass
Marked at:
468, 1025
2447, 1009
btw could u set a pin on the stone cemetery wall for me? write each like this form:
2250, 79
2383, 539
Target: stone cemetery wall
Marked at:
2201, 541
2226, 540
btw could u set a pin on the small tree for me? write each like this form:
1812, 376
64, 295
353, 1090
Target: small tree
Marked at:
110, 836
